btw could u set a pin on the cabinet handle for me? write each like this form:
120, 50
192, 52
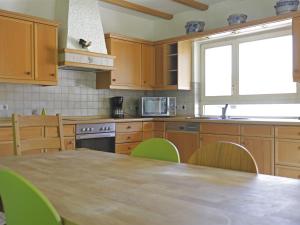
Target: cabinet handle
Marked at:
128, 127
28, 73
52, 74
128, 137
129, 148
114, 80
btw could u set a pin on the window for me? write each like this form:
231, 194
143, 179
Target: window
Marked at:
251, 73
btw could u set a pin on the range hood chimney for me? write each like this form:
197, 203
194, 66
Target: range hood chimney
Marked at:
81, 38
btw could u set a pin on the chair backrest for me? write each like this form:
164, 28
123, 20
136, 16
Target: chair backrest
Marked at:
50, 134
23, 203
225, 155
157, 148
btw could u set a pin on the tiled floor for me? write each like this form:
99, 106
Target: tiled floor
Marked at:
2, 219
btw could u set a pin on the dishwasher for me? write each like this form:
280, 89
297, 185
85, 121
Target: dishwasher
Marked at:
185, 136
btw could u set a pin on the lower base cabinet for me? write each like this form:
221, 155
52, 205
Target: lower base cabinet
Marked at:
262, 150
186, 142
285, 171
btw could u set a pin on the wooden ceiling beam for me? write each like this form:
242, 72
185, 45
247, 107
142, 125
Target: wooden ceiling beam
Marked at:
140, 8
193, 4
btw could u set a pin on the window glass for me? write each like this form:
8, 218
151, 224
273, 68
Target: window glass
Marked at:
218, 71
255, 110
265, 66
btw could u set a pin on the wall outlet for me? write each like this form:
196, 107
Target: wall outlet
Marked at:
3, 107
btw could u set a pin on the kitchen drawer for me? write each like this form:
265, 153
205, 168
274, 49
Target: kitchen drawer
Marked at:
289, 132
6, 133
126, 148
129, 137
69, 131
129, 127
6, 149
284, 171
69, 143
148, 126
211, 138
148, 135
287, 152
257, 130
159, 126
214, 128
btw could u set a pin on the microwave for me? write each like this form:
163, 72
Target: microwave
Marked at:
157, 106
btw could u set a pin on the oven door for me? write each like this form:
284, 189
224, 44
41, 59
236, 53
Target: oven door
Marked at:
155, 106
104, 144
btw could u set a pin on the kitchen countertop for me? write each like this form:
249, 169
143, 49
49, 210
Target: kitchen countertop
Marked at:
6, 122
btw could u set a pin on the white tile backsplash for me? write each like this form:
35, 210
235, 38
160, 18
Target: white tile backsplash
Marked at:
75, 95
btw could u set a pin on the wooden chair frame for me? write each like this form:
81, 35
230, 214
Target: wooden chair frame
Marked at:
21, 145
225, 155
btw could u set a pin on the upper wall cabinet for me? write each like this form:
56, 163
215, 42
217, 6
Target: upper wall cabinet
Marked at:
140, 65
134, 64
174, 66
28, 49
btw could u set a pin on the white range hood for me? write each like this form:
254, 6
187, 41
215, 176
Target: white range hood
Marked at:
80, 19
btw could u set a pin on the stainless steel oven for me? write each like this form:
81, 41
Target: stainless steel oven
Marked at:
100, 137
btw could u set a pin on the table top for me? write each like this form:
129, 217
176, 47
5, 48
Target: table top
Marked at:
94, 188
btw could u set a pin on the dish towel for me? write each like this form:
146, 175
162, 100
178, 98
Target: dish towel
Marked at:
2, 218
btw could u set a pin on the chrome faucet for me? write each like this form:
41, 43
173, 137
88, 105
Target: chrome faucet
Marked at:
224, 110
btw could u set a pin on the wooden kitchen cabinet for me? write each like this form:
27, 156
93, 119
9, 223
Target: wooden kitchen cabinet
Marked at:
174, 66
17, 54
128, 136
287, 151
259, 140
186, 142
45, 53
128, 65
262, 150
148, 66
28, 50
153, 130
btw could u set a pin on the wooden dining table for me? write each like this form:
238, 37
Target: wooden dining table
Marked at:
96, 188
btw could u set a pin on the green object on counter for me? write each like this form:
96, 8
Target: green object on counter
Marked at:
157, 148
23, 203
43, 113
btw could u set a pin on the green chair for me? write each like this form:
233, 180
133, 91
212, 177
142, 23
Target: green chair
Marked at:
23, 203
157, 148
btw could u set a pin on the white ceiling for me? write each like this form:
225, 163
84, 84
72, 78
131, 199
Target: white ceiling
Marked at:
167, 6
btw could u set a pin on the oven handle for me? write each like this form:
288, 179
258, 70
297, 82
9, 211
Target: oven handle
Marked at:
93, 136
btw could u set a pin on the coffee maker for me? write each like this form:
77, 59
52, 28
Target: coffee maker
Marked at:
116, 105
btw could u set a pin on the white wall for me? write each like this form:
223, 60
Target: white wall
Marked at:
113, 21
215, 16
123, 23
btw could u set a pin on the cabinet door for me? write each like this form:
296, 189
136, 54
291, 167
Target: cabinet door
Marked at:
16, 44
45, 52
262, 150
184, 65
296, 49
148, 66
186, 142
160, 69
127, 63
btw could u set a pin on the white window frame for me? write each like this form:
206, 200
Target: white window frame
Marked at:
235, 98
